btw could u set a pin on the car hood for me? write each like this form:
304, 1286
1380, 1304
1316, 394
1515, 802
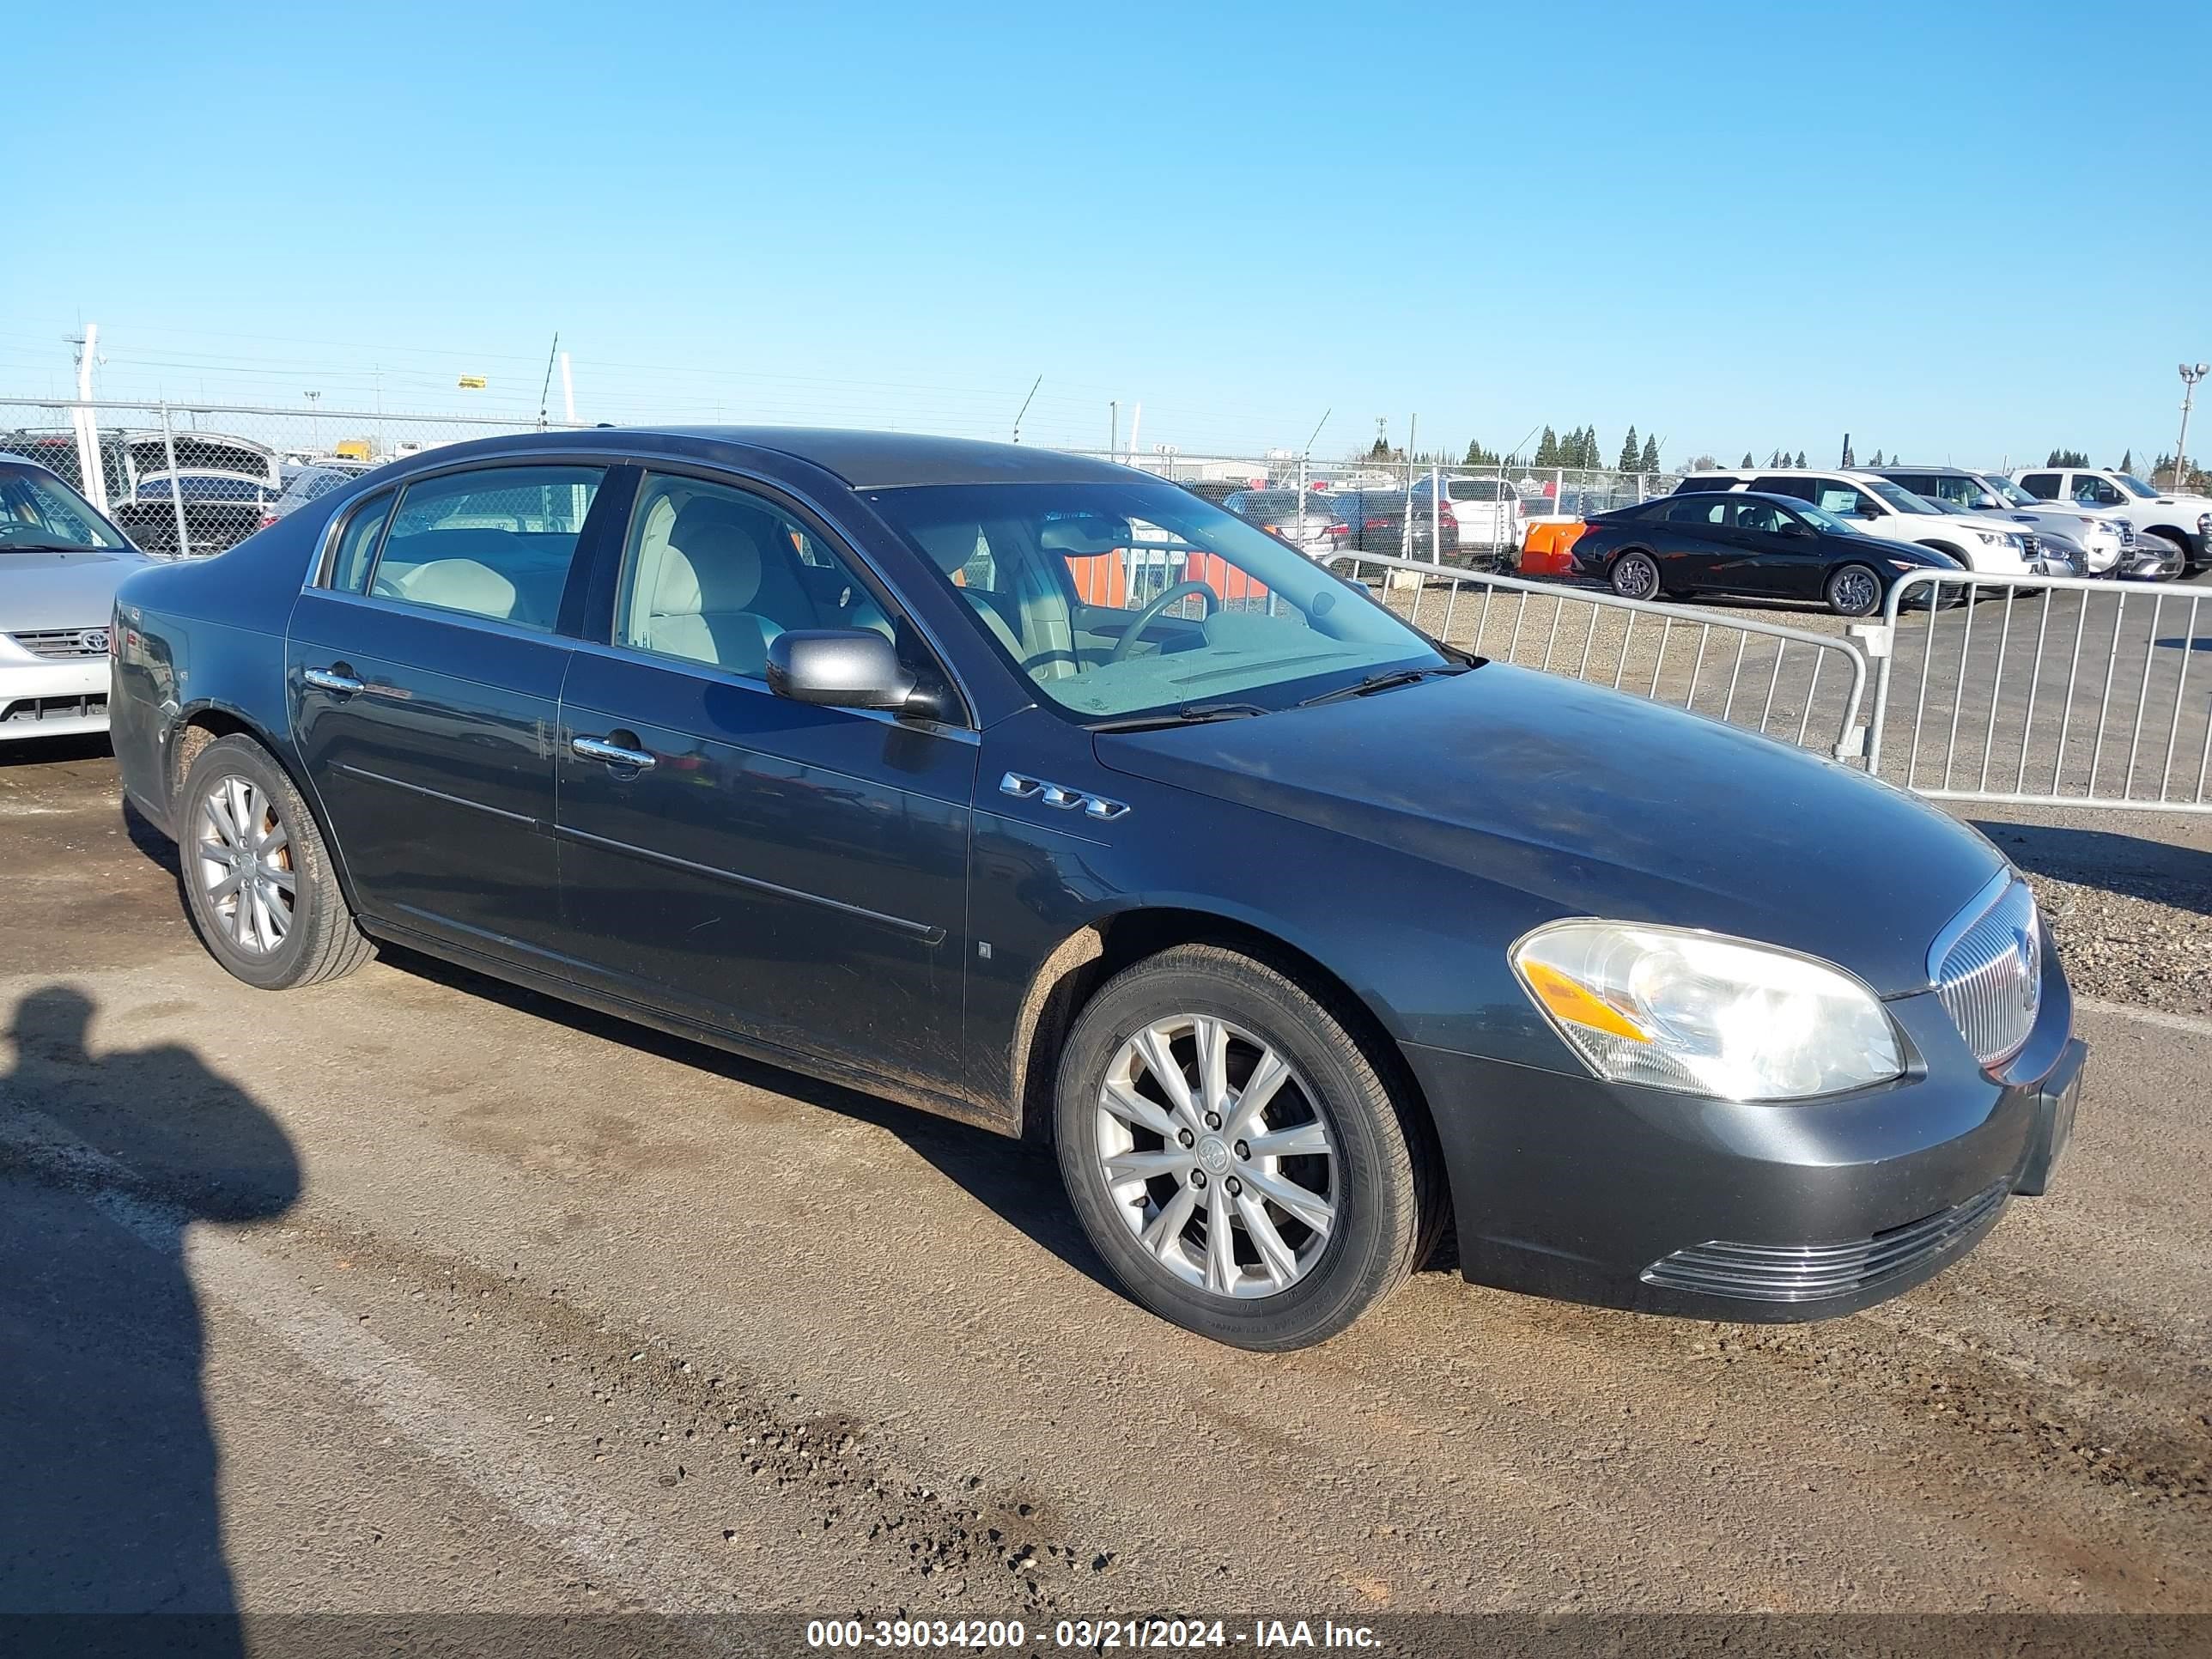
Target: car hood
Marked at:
1602, 804
41, 591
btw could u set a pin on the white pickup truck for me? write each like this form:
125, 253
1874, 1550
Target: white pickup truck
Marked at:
2184, 520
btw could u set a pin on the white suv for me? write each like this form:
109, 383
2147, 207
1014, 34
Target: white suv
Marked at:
1881, 509
2183, 521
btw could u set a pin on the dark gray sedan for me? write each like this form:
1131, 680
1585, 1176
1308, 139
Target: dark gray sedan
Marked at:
912, 764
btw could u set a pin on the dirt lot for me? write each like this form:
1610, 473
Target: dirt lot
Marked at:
411, 1292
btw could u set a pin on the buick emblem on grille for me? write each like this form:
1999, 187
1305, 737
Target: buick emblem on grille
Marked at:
2031, 966
93, 638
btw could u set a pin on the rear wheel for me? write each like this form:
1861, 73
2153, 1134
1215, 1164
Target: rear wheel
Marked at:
257, 877
1854, 591
1634, 576
1234, 1154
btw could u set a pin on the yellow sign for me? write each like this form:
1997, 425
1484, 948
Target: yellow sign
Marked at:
473, 382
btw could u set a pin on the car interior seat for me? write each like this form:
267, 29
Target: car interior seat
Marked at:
701, 591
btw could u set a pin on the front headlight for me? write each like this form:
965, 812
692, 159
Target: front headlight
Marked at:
1674, 1009
1999, 538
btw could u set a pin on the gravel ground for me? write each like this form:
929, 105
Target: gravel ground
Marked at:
413, 1292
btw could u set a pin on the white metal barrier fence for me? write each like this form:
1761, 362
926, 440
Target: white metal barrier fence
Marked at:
1787, 682
2043, 690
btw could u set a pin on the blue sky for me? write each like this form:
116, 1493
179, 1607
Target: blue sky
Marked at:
1960, 230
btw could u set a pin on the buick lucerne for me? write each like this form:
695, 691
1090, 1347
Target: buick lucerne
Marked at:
1044, 793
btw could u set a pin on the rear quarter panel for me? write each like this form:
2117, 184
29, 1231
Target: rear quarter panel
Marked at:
204, 636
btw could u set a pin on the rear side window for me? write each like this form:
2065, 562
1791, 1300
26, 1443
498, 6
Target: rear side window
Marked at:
495, 543
1798, 488
1703, 481
2044, 486
1704, 512
357, 543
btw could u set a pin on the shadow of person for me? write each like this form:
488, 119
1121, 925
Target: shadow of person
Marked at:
109, 1502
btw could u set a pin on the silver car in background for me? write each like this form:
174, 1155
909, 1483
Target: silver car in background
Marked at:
60, 562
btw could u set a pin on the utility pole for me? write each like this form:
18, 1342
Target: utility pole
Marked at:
1024, 408
92, 474
2190, 377
1113, 426
568, 390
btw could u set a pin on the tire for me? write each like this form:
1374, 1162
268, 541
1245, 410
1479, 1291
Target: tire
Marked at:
1854, 590
2190, 564
1374, 1184
1634, 576
287, 940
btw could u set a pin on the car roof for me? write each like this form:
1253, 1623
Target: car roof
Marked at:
25, 464
864, 461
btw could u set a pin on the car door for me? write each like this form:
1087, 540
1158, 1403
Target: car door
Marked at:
424, 670
1782, 557
792, 874
1690, 542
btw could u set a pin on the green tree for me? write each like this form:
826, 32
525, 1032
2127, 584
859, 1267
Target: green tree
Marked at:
1631, 453
1746, 460
2128, 460
1847, 460
1649, 460
1547, 448
1801, 458
1876, 461
2067, 458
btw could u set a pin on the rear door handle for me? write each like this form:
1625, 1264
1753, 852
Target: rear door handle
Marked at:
613, 754
329, 679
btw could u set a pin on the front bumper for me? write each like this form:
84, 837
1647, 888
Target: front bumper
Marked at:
52, 697
1570, 1187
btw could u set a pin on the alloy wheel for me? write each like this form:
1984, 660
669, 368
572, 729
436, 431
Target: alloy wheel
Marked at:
1635, 579
244, 858
1857, 592
1216, 1157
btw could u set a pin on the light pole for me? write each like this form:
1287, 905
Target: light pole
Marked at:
2190, 377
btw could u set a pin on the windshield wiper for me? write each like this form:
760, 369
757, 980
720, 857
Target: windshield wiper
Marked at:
1373, 682
49, 547
1191, 713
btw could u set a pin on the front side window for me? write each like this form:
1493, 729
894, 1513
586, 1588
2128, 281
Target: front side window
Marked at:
2004, 490
1793, 484
712, 573
1763, 517
1121, 599
494, 543
45, 513
2094, 491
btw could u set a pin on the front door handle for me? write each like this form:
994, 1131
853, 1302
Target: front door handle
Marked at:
329, 679
613, 754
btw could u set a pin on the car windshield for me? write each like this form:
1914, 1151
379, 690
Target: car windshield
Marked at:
2136, 486
1118, 600
2006, 490
40, 511
1903, 500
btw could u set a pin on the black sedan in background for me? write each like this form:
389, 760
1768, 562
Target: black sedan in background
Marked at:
1300, 934
1746, 546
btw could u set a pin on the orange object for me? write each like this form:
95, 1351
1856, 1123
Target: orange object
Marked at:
1544, 552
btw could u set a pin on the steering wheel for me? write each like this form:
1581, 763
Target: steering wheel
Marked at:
1151, 614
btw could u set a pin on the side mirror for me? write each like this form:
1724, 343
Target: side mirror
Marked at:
1795, 527
839, 668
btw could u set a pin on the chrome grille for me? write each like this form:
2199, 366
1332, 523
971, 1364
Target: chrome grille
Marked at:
1988, 969
2127, 533
1806, 1273
2031, 546
64, 642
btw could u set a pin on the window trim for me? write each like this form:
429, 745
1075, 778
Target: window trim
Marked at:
603, 603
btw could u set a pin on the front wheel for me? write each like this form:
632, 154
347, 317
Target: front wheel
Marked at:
1235, 1155
257, 878
1854, 591
1635, 577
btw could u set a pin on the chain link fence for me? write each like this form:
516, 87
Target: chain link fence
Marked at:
187, 479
